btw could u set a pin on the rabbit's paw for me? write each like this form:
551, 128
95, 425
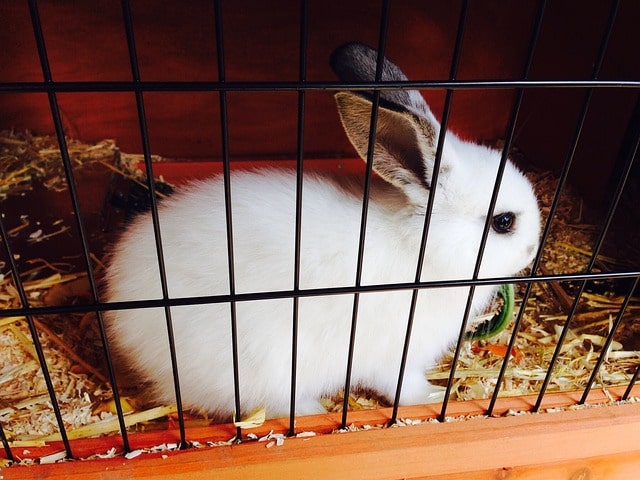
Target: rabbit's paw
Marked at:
416, 390
309, 406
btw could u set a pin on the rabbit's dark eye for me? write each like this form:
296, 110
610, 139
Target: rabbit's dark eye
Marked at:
504, 222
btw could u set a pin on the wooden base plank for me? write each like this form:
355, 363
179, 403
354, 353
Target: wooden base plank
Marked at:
592, 440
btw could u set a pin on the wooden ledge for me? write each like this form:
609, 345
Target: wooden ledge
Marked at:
601, 442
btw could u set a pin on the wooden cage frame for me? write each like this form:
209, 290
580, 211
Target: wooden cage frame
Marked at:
588, 442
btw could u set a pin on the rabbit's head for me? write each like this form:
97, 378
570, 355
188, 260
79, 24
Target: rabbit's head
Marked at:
404, 154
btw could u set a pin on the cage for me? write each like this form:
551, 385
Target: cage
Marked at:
109, 108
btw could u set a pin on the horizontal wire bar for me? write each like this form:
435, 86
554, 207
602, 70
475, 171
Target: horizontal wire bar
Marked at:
230, 86
311, 292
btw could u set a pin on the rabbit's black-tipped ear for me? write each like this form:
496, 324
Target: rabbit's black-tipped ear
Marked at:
404, 148
356, 62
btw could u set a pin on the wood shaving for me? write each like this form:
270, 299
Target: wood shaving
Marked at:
25, 408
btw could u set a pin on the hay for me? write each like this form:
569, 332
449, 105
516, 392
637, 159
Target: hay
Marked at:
71, 344
26, 159
84, 395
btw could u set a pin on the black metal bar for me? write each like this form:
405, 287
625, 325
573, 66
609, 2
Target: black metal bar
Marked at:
3, 437
298, 227
605, 347
328, 86
5, 444
34, 338
46, 73
511, 129
68, 169
310, 292
78, 216
456, 354
483, 241
462, 21
632, 382
562, 180
146, 149
618, 194
596, 70
226, 167
382, 39
36, 341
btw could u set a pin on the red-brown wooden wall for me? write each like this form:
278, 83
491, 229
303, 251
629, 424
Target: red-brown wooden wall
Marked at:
176, 41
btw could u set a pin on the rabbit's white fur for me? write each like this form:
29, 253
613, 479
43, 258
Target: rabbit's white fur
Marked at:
193, 230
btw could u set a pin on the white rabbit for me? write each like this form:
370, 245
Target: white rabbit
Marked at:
193, 232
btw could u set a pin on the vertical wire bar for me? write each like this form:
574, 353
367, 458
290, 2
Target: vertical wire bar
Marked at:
46, 71
634, 379
3, 437
472, 286
605, 348
587, 101
618, 194
429, 207
146, 149
382, 38
36, 340
511, 129
5, 444
635, 127
456, 354
79, 223
298, 225
562, 181
224, 125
